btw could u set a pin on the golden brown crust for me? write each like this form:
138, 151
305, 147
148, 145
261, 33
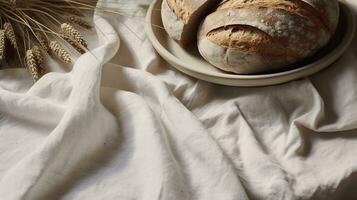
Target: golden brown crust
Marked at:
296, 7
184, 9
295, 33
181, 9
181, 18
247, 38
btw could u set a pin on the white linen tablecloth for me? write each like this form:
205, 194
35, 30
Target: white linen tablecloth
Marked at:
135, 128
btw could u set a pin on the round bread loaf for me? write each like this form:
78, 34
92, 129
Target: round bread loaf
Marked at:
181, 18
253, 36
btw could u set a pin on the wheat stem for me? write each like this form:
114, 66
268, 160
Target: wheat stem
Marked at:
29, 26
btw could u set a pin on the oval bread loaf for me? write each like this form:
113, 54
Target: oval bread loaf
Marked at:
253, 36
181, 18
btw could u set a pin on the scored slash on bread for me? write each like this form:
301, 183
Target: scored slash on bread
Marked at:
181, 18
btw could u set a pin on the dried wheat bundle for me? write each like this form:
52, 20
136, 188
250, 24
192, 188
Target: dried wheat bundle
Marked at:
28, 26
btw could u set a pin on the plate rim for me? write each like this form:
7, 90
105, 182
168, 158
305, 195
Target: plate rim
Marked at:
310, 69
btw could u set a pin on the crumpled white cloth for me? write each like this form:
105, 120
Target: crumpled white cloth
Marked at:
135, 128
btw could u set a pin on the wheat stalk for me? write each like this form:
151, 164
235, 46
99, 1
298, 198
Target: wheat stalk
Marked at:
39, 59
32, 65
69, 31
2, 45
29, 25
74, 44
10, 34
62, 54
38, 54
42, 40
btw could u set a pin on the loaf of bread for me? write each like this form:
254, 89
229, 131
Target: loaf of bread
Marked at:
182, 17
253, 36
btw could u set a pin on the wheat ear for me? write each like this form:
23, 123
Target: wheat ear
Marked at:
10, 34
42, 40
62, 54
32, 65
79, 22
2, 45
39, 59
73, 43
69, 31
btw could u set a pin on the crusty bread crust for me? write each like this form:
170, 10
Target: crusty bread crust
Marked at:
251, 36
181, 18
247, 38
327, 11
172, 24
297, 33
264, 34
243, 49
240, 62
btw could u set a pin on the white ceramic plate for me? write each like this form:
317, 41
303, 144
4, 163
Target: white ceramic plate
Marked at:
194, 65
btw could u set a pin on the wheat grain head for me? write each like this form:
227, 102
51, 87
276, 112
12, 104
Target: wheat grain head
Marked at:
32, 65
42, 40
10, 34
74, 44
69, 31
62, 54
39, 59
2, 45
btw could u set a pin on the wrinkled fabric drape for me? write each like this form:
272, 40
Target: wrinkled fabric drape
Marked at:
123, 124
